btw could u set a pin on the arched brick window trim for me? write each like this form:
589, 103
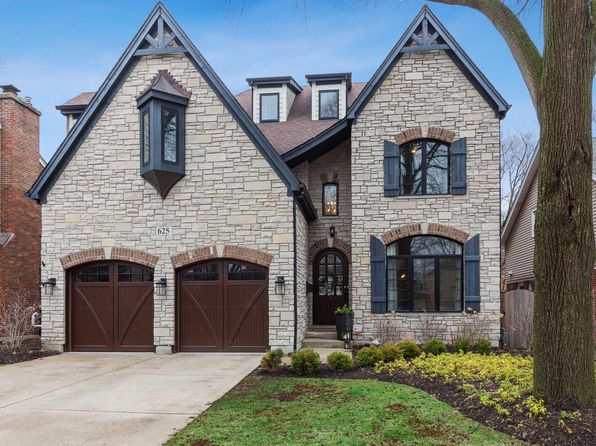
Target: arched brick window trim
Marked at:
431, 229
338, 243
229, 251
98, 254
413, 134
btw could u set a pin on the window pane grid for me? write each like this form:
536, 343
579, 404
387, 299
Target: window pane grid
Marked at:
169, 135
132, 273
146, 138
239, 271
201, 273
424, 274
331, 278
100, 273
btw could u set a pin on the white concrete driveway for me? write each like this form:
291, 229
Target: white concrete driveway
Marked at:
112, 398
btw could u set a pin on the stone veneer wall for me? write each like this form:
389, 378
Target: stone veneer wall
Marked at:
302, 266
335, 164
230, 196
426, 90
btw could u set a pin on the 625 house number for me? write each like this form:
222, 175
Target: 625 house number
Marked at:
164, 230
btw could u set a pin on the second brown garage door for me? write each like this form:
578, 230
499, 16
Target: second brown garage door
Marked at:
222, 306
111, 307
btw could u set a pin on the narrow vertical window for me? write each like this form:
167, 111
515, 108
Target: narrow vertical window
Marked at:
329, 104
146, 138
330, 207
169, 135
269, 107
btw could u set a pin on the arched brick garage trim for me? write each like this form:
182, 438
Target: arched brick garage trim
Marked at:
425, 229
338, 243
229, 251
98, 254
420, 133
134, 256
84, 256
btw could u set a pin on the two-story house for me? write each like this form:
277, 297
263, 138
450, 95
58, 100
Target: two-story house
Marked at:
179, 217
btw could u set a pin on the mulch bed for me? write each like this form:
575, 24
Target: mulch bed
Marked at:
31, 349
540, 431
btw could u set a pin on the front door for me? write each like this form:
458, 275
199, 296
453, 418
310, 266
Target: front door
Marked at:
330, 274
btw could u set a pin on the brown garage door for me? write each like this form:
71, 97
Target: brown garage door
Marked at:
111, 307
222, 306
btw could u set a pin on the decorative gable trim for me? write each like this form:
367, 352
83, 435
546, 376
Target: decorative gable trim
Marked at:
120, 73
427, 33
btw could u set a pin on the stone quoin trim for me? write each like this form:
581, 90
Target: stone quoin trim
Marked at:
134, 256
423, 229
413, 134
84, 256
319, 245
229, 252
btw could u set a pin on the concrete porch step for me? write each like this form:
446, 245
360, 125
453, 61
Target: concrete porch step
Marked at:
322, 343
320, 334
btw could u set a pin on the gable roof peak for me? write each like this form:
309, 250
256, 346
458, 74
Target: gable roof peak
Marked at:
427, 33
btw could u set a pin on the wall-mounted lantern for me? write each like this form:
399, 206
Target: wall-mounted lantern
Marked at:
48, 286
160, 286
280, 285
332, 231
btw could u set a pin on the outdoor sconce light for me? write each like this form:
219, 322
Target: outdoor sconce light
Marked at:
48, 286
332, 231
280, 285
160, 287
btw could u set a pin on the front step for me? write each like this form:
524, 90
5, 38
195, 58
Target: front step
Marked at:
320, 334
322, 343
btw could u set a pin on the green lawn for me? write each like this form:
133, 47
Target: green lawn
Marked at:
311, 411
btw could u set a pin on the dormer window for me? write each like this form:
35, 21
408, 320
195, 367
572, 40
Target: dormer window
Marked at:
162, 108
328, 104
269, 107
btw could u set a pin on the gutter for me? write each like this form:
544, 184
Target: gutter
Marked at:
303, 199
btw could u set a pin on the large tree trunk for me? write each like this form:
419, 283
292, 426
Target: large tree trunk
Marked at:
560, 84
564, 236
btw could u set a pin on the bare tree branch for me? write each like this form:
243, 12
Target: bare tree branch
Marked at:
522, 47
517, 150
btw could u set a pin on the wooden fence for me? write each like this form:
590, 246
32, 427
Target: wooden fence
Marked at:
517, 307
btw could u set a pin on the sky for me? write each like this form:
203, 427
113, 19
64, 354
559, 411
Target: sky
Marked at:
53, 50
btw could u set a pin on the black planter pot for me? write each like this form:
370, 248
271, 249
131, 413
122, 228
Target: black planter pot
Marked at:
344, 323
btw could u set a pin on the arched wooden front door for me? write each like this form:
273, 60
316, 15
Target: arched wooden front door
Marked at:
330, 275
222, 306
111, 307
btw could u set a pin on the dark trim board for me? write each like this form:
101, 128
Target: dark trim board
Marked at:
159, 17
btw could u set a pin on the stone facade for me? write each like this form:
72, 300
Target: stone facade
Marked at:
20, 216
424, 93
230, 197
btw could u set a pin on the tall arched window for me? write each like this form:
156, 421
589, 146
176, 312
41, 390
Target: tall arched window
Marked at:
424, 273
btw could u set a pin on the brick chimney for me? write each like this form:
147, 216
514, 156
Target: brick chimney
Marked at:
20, 216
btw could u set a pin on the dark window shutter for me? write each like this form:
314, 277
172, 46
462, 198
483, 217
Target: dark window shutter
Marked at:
392, 176
377, 276
458, 167
472, 273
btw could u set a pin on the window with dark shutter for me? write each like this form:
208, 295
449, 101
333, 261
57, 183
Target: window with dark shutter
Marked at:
377, 275
392, 169
458, 167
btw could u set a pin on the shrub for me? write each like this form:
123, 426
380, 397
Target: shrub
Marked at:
483, 346
409, 350
463, 345
15, 317
272, 359
389, 352
340, 362
434, 347
368, 356
305, 361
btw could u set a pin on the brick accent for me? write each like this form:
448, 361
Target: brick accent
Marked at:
419, 133
340, 244
20, 216
134, 256
248, 255
418, 229
84, 256
194, 256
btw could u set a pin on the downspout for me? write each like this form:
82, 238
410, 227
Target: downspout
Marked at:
295, 279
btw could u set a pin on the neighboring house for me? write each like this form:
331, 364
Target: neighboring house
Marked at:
517, 236
178, 217
20, 216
